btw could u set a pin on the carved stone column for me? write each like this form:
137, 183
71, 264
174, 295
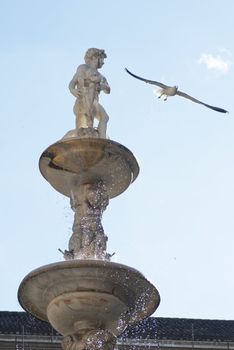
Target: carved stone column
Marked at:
88, 239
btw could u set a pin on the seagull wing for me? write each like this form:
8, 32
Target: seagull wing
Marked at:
153, 82
217, 109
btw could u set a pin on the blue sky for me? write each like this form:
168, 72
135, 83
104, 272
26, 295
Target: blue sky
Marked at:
175, 223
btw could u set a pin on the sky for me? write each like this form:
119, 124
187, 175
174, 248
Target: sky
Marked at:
175, 223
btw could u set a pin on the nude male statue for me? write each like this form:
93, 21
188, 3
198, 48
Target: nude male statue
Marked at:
86, 86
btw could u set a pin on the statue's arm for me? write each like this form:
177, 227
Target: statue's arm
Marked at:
104, 86
73, 86
76, 83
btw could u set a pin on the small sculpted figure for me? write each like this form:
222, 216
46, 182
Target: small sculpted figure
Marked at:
86, 86
88, 239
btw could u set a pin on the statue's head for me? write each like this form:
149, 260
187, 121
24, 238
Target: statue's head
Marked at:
95, 54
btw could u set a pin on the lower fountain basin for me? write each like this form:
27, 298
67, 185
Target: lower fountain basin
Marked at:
76, 296
80, 312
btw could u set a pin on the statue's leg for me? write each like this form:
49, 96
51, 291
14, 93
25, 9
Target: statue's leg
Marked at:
103, 118
83, 115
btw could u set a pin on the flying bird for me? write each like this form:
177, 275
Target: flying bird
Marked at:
166, 91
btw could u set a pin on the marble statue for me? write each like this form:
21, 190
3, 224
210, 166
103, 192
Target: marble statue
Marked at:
86, 86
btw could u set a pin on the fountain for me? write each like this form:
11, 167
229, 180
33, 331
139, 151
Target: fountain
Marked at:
87, 298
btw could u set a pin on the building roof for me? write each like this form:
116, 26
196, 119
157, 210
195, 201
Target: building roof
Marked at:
157, 328
12, 322
182, 329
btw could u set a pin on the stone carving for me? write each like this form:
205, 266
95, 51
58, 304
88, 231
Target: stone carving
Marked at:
88, 239
97, 339
86, 86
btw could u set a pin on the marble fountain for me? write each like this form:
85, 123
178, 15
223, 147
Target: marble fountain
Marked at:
87, 298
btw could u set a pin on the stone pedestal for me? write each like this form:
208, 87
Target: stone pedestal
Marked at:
89, 171
70, 163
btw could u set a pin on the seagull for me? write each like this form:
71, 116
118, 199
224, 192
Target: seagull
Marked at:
166, 91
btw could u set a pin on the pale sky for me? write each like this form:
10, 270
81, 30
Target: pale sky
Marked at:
175, 223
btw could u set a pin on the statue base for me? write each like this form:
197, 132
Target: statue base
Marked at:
70, 163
